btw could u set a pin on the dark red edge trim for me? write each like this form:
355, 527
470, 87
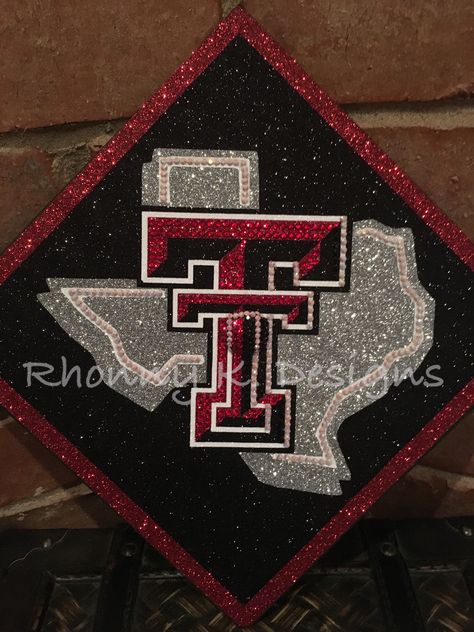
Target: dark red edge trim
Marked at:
237, 22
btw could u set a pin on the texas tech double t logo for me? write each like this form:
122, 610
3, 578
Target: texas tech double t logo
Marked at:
243, 307
233, 292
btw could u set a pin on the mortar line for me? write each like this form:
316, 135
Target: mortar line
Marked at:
455, 481
437, 115
47, 499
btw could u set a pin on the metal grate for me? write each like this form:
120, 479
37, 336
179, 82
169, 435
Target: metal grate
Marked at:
381, 576
72, 606
444, 600
329, 602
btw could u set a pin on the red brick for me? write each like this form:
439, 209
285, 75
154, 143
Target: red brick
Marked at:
81, 61
455, 451
427, 493
26, 467
26, 186
366, 51
440, 162
86, 512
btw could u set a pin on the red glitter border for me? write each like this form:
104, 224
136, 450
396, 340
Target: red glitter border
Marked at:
238, 22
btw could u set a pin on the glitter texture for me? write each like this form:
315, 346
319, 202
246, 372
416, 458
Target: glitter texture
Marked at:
202, 179
124, 328
159, 228
384, 323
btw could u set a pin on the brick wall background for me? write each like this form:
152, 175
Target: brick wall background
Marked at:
71, 73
